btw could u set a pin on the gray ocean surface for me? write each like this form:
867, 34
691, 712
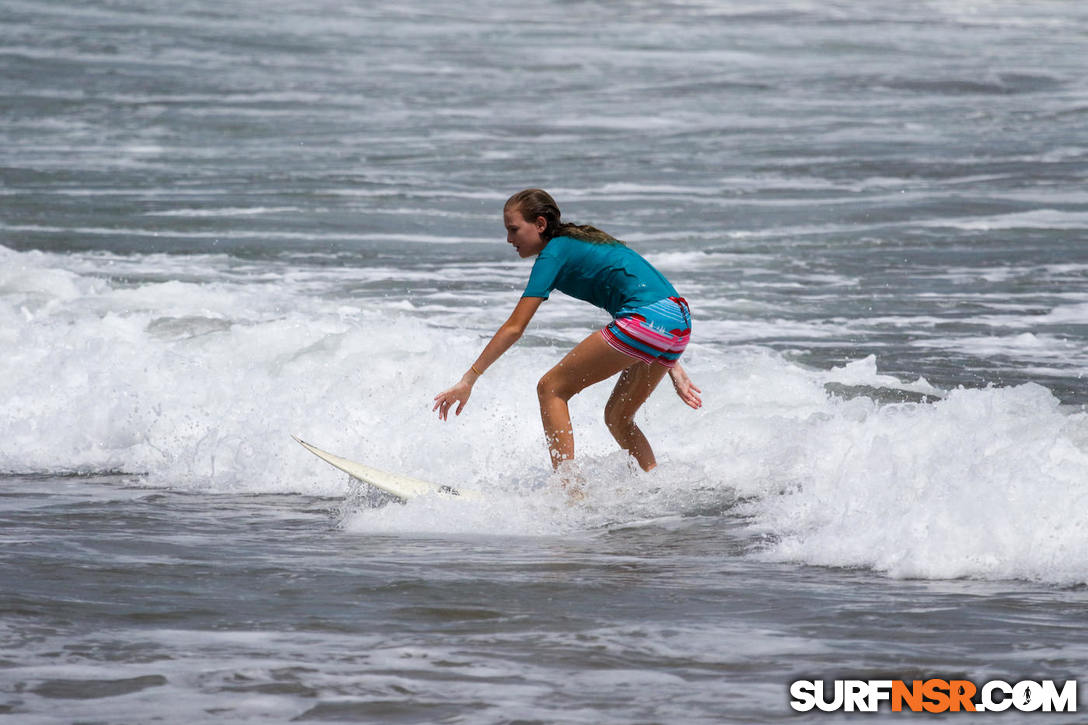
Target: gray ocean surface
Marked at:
223, 223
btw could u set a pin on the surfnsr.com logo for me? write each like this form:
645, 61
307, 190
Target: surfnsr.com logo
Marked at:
933, 695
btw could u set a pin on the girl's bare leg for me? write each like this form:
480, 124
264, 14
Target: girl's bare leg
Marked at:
591, 361
631, 391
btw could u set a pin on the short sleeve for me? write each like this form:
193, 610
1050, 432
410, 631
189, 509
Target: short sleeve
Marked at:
542, 278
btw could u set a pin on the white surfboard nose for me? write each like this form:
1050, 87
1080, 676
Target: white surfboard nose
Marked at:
403, 487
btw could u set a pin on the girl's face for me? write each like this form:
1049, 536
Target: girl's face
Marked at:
523, 234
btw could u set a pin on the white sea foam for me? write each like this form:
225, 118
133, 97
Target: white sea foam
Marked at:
986, 483
1023, 346
199, 384
670, 261
1075, 314
1020, 316
240, 234
1037, 219
223, 212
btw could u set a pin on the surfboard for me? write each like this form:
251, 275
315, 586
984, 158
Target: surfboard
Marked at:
403, 487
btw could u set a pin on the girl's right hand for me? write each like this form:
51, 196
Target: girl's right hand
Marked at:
457, 394
686, 389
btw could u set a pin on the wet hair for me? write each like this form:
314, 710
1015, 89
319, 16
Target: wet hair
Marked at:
533, 203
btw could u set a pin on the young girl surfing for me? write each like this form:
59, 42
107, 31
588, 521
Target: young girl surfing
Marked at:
650, 327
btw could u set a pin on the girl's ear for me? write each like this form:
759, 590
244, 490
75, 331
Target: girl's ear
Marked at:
541, 224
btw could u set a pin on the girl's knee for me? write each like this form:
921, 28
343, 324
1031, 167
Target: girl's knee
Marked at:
616, 417
550, 386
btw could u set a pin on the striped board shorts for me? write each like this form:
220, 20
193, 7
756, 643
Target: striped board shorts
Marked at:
654, 333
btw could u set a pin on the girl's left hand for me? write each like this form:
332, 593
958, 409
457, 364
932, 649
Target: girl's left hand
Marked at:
457, 394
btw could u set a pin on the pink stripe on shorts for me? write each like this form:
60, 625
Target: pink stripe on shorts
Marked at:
654, 333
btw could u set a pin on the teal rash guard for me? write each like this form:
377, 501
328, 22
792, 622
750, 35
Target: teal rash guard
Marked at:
613, 277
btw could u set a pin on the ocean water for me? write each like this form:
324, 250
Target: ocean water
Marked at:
224, 223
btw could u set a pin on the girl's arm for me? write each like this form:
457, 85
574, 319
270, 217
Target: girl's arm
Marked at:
502, 341
684, 387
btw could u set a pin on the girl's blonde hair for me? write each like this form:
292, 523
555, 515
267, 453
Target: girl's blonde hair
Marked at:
533, 203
